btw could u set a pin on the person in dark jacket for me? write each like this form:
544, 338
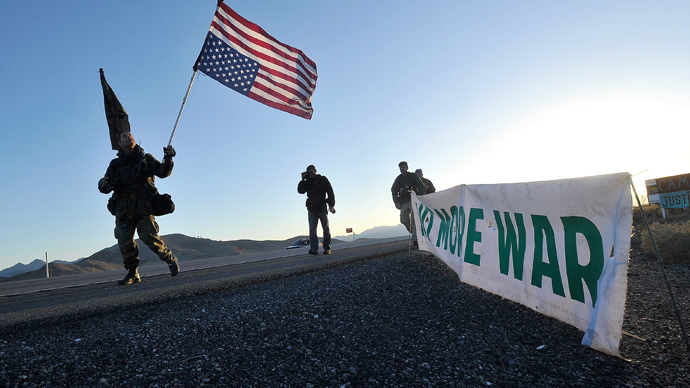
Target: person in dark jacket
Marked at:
427, 183
319, 195
131, 177
401, 189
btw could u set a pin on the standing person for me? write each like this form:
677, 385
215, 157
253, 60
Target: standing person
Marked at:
427, 183
131, 176
319, 194
402, 186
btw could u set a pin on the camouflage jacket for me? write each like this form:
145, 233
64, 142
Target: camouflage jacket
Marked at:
132, 178
404, 184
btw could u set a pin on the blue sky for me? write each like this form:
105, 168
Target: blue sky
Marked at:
469, 91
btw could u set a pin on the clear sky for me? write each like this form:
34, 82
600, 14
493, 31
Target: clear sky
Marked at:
469, 91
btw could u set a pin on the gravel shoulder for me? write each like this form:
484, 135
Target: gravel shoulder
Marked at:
401, 320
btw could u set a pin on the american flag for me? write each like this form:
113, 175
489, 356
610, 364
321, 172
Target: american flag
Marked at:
242, 56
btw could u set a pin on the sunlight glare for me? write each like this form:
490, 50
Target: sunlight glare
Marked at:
596, 134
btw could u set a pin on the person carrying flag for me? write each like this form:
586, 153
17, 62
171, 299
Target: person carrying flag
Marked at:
131, 177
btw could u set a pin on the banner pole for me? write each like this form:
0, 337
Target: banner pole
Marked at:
409, 238
184, 101
663, 271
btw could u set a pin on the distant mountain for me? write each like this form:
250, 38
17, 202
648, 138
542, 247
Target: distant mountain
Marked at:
61, 268
379, 232
21, 268
185, 248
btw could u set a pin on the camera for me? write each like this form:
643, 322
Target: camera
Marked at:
305, 174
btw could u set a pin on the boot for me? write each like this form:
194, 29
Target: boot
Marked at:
174, 266
131, 277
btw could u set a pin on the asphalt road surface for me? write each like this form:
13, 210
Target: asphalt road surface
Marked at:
98, 292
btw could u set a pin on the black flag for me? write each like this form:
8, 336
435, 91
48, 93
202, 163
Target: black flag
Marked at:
118, 121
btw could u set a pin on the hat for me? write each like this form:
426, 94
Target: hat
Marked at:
115, 114
401, 163
418, 170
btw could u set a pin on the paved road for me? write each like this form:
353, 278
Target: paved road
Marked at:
95, 293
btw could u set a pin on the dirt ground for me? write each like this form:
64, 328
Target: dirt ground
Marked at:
403, 320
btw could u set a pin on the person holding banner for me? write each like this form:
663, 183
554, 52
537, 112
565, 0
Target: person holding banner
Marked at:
319, 194
131, 176
401, 189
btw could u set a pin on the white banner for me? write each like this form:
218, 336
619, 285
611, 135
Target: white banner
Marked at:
558, 247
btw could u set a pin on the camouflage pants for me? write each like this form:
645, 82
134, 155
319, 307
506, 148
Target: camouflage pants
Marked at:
147, 228
407, 219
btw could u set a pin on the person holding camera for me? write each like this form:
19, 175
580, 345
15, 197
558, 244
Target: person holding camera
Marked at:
131, 176
401, 189
320, 200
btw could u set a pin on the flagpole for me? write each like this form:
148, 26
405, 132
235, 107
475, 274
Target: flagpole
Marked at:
184, 101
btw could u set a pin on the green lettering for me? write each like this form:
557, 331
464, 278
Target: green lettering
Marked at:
429, 223
443, 229
591, 272
543, 229
509, 243
453, 228
460, 227
473, 236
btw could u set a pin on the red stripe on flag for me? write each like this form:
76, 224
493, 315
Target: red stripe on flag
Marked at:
280, 96
286, 77
266, 79
285, 108
261, 57
268, 43
254, 27
267, 82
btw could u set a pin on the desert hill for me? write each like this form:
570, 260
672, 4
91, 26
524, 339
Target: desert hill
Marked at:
185, 248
